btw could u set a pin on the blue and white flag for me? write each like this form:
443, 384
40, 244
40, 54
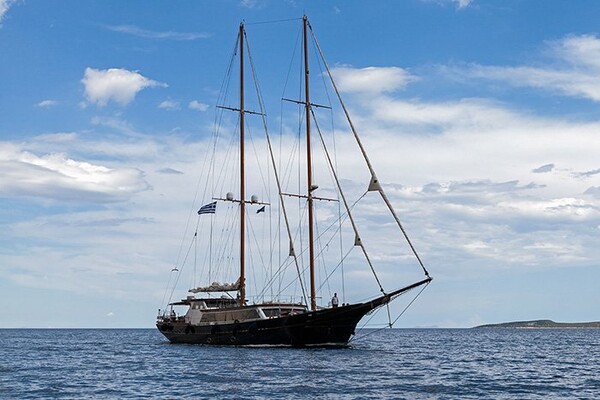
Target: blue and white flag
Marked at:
210, 208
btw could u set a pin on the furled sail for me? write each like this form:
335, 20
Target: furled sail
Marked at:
217, 287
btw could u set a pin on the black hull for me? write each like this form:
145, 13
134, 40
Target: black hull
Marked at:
332, 326
325, 327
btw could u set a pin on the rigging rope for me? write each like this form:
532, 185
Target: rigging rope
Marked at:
358, 241
336, 267
356, 337
409, 304
366, 158
181, 268
218, 117
275, 21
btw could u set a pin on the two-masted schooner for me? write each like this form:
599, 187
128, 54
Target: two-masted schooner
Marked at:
230, 317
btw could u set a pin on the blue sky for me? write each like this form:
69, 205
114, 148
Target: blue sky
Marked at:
482, 117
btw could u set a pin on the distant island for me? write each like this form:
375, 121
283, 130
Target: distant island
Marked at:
543, 323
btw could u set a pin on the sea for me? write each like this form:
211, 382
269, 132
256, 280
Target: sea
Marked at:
379, 364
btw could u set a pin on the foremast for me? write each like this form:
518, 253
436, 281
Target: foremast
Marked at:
241, 282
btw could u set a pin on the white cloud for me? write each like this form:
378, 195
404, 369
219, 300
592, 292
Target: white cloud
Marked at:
488, 135
462, 3
114, 84
371, 79
249, 3
472, 178
55, 176
57, 137
560, 208
89, 224
575, 71
144, 33
196, 105
126, 144
583, 50
118, 124
570, 82
465, 112
4, 6
169, 105
47, 103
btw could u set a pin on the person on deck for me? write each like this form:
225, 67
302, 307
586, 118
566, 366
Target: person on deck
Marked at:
334, 301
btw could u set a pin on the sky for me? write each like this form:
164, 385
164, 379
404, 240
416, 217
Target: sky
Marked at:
481, 118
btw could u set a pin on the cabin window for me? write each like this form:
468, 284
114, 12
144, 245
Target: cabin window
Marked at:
198, 305
276, 312
228, 316
209, 317
244, 314
271, 312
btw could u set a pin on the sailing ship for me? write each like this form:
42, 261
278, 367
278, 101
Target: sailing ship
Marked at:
231, 317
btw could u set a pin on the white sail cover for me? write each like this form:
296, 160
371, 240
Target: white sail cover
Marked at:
217, 287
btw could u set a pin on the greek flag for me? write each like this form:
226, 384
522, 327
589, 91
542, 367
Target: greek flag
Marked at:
210, 208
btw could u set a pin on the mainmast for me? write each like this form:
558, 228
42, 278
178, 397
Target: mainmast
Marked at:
242, 175
311, 247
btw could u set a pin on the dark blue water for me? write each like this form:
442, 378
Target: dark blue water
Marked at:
390, 364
